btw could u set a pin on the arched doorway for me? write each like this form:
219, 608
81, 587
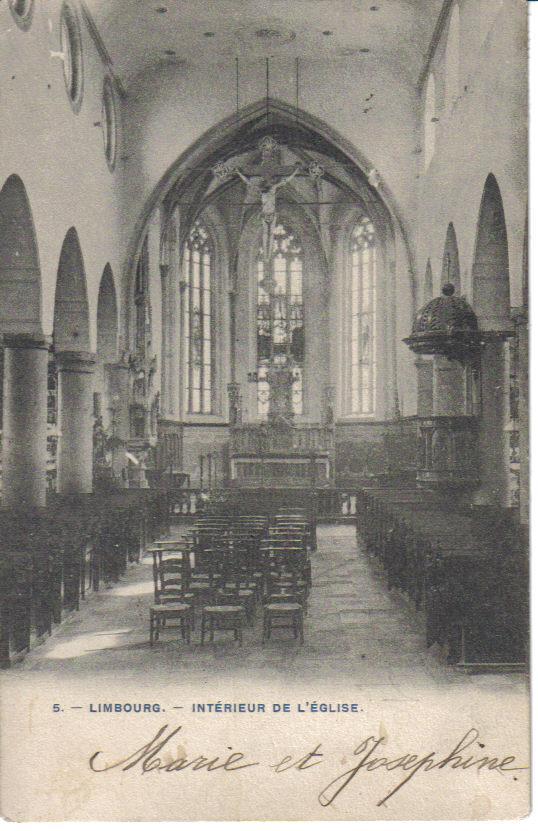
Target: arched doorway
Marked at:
491, 302
75, 366
23, 379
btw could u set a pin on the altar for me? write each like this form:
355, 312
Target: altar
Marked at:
270, 455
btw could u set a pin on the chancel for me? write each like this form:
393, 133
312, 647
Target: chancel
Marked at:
264, 345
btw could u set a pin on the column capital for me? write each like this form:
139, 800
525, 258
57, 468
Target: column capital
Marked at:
33, 340
81, 362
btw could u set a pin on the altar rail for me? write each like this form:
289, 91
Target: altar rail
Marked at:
466, 570
331, 504
50, 559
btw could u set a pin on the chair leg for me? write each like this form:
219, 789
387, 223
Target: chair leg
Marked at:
202, 629
301, 629
188, 628
211, 629
151, 625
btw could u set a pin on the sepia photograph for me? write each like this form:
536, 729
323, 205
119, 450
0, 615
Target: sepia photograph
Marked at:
264, 410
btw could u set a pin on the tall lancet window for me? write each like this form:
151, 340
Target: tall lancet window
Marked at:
142, 303
362, 308
198, 273
280, 317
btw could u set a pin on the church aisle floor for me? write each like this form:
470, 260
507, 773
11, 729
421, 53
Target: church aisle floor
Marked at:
357, 636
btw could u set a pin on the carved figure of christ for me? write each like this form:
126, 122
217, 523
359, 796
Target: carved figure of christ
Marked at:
266, 189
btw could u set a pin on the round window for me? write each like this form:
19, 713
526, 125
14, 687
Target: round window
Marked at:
22, 11
109, 123
71, 44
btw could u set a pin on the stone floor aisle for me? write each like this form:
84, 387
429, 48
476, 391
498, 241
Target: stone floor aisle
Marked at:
356, 634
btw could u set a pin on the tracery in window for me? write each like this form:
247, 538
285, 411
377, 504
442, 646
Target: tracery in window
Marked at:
280, 318
198, 273
362, 310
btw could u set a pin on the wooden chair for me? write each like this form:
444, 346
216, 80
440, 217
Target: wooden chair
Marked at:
283, 615
222, 618
174, 608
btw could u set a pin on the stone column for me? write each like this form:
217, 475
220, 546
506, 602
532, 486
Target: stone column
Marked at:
448, 392
75, 396
424, 369
492, 438
117, 385
523, 382
170, 341
182, 358
24, 439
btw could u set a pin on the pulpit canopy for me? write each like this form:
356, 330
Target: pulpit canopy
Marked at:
446, 325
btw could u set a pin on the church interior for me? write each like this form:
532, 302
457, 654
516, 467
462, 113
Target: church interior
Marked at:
263, 338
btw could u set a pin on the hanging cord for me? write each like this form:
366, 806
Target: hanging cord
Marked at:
237, 91
296, 91
267, 91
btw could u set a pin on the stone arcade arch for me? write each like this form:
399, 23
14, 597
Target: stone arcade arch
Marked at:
491, 302
111, 386
20, 275
71, 340
491, 276
24, 423
107, 319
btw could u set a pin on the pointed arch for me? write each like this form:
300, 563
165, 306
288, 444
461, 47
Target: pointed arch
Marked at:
491, 272
107, 318
71, 313
315, 365
244, 129
20, 273
427, 293
450, 267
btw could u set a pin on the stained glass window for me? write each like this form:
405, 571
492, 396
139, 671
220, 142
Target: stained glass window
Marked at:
280, 317
198, 268
362, 308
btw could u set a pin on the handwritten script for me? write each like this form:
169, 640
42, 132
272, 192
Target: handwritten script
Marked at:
466, 754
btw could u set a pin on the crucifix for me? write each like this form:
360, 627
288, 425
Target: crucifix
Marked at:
263, 181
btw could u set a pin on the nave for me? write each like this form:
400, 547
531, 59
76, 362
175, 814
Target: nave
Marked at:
357, 635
